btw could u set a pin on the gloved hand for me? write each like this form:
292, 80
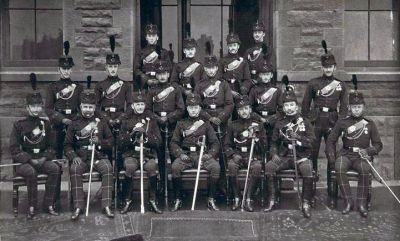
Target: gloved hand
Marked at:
77, 160
206, 157
184, 157
95, 140
275, 158
66, 121
215, 121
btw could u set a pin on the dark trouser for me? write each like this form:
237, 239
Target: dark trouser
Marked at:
353, 161
210, 165
104, 167
305, 168
131, 164
162, 162
29, 173
239, 162
60, 136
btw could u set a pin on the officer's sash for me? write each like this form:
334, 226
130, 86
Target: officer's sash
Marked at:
254, 55
163, 94
116, 86
196, 125
298, 125
212, 89
66, 93
87, 130
150, 58
234, 64
329, 89
267, 96
37, 134
190, 69
354, 131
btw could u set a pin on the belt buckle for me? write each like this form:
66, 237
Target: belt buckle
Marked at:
163, 113
112, 109
152, 73
290, 146
244, 148
253, 71
233, 81
36, 150
355, 149
68, 111
192, 148
213, 106
189, 86
325, 109
90, 147
137, 148
264, 113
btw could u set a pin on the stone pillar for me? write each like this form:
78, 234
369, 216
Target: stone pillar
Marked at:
88, 24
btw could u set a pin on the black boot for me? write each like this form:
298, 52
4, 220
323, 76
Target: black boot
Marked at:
154, 207
234, 185
177, 185
128, 206
236, 204
306, 209
271, 190
250, 188
363, 210
152, 195
76, 213
107, 211
211, 205
212, 187
348, 207
128, 188
31, 213
177, 205
51, 211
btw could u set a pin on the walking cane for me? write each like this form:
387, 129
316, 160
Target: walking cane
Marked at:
223, 159
296, 172
90, 180
167, 158
141, 176
203, 143
248, 170
381, 179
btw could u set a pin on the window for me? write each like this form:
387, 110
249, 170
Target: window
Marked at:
372, 33
32, 32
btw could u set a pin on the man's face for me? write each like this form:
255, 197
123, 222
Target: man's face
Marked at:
34, 109
189, 52
162, 77
258, 36
244, 112
193, 110
290, 108
211, 71
233, 48
65, 73
152, 38
265, 77
112, 69
88, 110
139, 107
328, 70
357, 110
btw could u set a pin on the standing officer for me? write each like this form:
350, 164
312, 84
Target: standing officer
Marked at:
137, 123
326, 93
291, 126
238, 144
235, 68
62, 102
361, 141
253, 54
31, 144
185, 145
188, 72
113, 93
145, 60
84, 131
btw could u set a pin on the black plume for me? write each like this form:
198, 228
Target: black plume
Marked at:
221, 51
187, 29
324, 46
112, 43
354, 81
170, 46
32, 78
66, 48
285, 80
230, 25
264, 51
88, 81
208, 48
171, 53
158, 51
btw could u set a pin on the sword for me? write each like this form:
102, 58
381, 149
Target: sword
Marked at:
248, 170
141, 176
203, 143
90, 180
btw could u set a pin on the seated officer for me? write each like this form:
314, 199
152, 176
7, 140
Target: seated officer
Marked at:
238, 144
361, 141
291, 126
82, 133
31, 144
138, 122
185, 145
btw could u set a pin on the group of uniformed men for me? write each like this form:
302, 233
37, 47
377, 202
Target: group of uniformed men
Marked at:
233, 103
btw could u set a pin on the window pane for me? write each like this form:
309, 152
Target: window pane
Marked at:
49, 4
383, 4
205, 2
356, 35
384, 35
170, 29
22, 34
169, 2
49, 34
356, 4
21, 3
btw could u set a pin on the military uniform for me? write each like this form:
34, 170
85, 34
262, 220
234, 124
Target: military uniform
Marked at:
62, 102
236, 69
186, 140
282, 152
32, 139
78, 144
237, 144
357, 133
146, 59
133, 126
326, 93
